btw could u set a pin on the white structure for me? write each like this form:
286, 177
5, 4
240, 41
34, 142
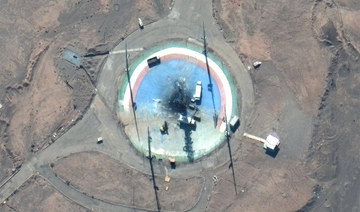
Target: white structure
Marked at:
197, 94
256, 64
141, 25
234, 122
271, 142
186, 120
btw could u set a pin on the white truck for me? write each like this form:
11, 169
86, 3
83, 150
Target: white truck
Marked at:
141, 25
197, 94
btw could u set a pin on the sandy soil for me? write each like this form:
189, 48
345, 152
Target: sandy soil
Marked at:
310, 51
261, 188
279, 31
280, 183
117, 183
314, 48
39, 108
42, 94
334, 156
6, 163
46, 198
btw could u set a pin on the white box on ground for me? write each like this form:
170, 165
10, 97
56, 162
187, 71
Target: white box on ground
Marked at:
271, 142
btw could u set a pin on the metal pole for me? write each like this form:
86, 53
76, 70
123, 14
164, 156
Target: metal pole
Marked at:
227, 134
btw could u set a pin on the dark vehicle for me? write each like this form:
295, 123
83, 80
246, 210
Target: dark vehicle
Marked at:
153, 61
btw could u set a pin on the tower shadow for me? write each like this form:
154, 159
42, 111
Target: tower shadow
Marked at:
188, 148
231, 165
210, 85
133, 105
150, 157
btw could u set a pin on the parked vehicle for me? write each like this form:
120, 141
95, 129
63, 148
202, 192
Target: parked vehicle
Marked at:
141, 25
197, 94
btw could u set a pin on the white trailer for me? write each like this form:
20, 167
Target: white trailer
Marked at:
197, 94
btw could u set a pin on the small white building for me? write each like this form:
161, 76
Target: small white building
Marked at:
100, 140
234, 123
271, 142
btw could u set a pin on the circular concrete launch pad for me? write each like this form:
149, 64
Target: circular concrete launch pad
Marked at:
166, 92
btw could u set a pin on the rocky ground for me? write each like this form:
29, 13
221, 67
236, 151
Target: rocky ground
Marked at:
119, 184
46, 198
41, 94
314, 47
310, 74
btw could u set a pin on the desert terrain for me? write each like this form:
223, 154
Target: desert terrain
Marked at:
314, 47
306, 91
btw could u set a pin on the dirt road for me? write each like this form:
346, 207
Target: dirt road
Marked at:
305, 92
100, 119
